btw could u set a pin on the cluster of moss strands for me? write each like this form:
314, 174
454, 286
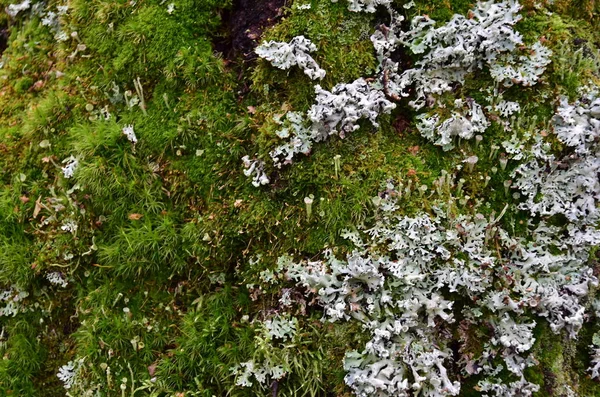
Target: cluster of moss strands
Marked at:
168, 225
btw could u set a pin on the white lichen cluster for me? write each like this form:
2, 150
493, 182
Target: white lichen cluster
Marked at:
13, 9
268, 363
594, 368
130, 133
405, 273
525, 70
71, 164
365, 5
403, 277
495, 387
256, 170
11, 301
69, 225
450, 52
595, 363
295, 53
57, 278
507, 108
75, 376
52, 20
280, 327
248, 372
298, 135
335, 112
514, 148
49, 18
568, 184
465, 122
69, 372
485, 40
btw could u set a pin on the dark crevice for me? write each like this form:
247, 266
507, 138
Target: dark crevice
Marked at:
244, 24
3, 38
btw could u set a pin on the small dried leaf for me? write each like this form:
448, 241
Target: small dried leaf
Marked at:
38, 207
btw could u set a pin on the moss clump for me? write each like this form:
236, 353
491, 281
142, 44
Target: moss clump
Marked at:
161, 287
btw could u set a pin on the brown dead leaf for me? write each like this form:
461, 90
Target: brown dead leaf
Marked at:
401, 124
413, 150
38, 85
38, 207
135, 217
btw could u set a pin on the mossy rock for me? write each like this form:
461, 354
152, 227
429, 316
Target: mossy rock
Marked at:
163, 293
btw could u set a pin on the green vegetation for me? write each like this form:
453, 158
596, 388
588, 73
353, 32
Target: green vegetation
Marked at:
164, 295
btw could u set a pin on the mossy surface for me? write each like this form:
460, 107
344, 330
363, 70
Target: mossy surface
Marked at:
162, 288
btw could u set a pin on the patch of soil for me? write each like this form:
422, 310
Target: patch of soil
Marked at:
401, 124
244, 24
3, 39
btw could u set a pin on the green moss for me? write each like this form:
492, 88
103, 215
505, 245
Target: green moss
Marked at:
440, 10
167, 227
23, 357
562, 363
343, 57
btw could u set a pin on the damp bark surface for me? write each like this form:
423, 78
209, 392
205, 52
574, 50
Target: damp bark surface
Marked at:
244, 25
